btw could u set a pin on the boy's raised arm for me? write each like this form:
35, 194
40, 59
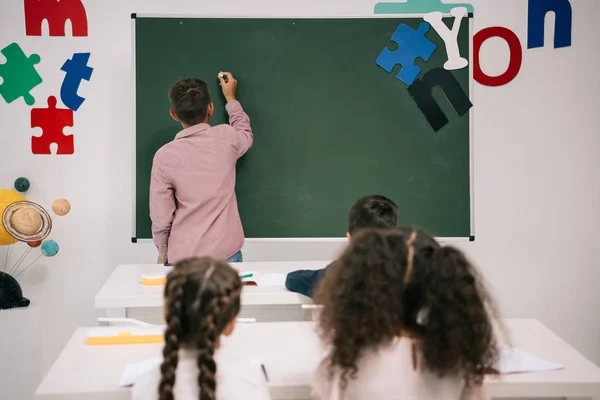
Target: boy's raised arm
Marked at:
242, 137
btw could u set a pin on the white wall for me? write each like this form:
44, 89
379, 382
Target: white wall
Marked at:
536, 175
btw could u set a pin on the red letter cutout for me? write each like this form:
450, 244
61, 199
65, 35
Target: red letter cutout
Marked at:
516, 56
57, 13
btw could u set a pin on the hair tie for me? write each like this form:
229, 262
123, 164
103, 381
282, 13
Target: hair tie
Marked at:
409, 257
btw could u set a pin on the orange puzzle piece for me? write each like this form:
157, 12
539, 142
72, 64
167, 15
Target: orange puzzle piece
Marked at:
52, 120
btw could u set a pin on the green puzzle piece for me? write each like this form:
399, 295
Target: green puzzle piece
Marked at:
19, 74
418, 7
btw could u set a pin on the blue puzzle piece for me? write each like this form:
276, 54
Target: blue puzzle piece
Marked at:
76, 69
411, 45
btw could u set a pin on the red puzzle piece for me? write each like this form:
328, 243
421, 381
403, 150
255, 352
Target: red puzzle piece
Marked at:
57, 13
52, 120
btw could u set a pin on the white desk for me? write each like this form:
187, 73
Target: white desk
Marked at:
124, 296
290, 351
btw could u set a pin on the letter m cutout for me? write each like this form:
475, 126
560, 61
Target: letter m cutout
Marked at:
56, 12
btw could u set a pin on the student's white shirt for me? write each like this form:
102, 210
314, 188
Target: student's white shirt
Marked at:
388, 373
236, 380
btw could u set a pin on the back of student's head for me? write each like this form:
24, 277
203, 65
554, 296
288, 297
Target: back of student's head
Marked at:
395, 281
372, 212
189, 100
202, 297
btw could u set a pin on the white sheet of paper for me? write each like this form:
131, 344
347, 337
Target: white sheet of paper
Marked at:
277, 280
251, 374
133, 371
513, 361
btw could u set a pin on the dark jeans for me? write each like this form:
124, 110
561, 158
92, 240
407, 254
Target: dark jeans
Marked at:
237, 257
304, 281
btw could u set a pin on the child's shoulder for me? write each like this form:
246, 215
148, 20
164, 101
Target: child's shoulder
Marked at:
166, 153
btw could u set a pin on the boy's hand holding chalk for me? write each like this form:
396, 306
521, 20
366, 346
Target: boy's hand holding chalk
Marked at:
228, 85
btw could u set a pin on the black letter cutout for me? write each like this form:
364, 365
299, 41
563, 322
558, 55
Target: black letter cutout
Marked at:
422, 92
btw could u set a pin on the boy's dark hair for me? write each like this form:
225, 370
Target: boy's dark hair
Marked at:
372, 212
202, 296
189, 100
401, 281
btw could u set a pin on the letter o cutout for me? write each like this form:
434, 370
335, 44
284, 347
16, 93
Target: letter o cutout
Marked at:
516, 56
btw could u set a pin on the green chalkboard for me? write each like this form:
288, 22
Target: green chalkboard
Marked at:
330, 125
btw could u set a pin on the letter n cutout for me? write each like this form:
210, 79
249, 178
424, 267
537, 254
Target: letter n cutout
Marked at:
536, 18
422, 92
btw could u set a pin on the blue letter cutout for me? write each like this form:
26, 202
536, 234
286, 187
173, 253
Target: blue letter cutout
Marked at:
562, 26
76, 69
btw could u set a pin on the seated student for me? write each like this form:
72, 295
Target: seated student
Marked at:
202, 300
368, 212
404, 318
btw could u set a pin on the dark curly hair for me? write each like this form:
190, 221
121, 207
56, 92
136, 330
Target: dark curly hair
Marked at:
397, 282
202, 296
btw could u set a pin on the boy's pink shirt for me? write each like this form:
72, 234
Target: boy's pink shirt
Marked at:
193, 206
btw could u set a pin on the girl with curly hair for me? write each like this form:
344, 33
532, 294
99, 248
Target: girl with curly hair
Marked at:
404, 318
202, 301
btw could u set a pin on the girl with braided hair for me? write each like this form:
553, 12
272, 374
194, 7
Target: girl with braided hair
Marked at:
202, 301
406, 319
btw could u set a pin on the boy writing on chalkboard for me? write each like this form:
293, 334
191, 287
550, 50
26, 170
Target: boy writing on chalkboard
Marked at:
193, 206
368, 212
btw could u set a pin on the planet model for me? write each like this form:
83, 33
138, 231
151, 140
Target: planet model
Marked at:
11, 295
21, 217
50, 248
7, 197
26, 220
61, 207
22, 184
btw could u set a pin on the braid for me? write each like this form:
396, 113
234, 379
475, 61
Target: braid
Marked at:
208, 340
206, 350
174, 291
202, 298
